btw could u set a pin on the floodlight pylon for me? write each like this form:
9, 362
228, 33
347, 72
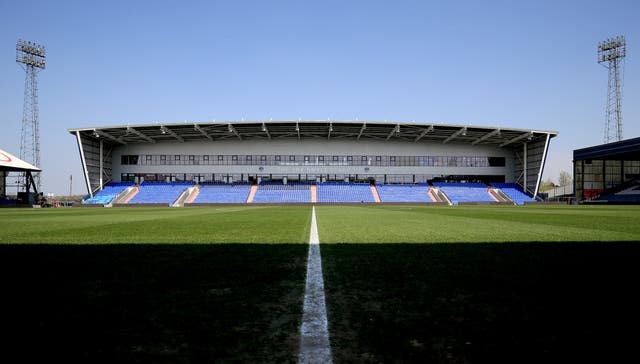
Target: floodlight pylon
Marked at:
611, 54
32, 58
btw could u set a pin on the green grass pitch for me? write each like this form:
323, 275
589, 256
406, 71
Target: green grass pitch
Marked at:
403, 284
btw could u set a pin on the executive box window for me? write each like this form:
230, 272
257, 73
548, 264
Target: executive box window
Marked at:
358, 160
128, 159
496, 162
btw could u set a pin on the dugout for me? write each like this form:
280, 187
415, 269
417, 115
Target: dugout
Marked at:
605, 168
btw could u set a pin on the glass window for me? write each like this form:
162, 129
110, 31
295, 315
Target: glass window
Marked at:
234, 158
306, 158
263, 158
335, 158
205, 158
292, 158
321, 158
277, 158
149, 158
192, 157
496, 162
363, 158
177, 157
220, 158
248, 158
378, 158
349, 158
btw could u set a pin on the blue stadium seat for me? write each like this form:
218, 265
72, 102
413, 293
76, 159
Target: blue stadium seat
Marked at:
514, 192
278, 192
344, 192
465, 192
223, 193
404, 193
159, 192
108, 193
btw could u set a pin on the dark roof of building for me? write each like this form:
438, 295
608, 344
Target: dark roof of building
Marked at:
628, 149
326, 129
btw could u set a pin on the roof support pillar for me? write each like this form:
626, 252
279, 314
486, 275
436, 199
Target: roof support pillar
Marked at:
542, 162
524, 166
101, 164
84, 163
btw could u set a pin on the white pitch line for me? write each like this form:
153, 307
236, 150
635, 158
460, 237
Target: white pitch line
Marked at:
314, 332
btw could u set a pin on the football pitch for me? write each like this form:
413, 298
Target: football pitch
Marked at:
467, 284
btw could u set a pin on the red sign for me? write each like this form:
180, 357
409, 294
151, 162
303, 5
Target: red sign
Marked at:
4, 157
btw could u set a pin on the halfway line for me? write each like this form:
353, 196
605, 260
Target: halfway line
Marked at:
314, 333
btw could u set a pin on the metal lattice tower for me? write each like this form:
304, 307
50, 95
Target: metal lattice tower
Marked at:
32, 58
611, 54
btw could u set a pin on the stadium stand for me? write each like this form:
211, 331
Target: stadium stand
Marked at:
223, 193
276, 192
404, 193
344, 192
108, 193
159, 192
628, 195
514, 192
465, 192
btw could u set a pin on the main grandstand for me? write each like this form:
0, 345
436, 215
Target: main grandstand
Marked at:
311, 162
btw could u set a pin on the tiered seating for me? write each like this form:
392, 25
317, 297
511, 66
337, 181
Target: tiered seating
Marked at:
514, 192
278, 192
465, 192
628, 195
108, 193
404, 193
223, 193
344, 192
159, 192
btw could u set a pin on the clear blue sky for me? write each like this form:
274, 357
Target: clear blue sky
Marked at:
509, 63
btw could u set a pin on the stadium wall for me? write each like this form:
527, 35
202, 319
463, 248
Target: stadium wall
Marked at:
311, 148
